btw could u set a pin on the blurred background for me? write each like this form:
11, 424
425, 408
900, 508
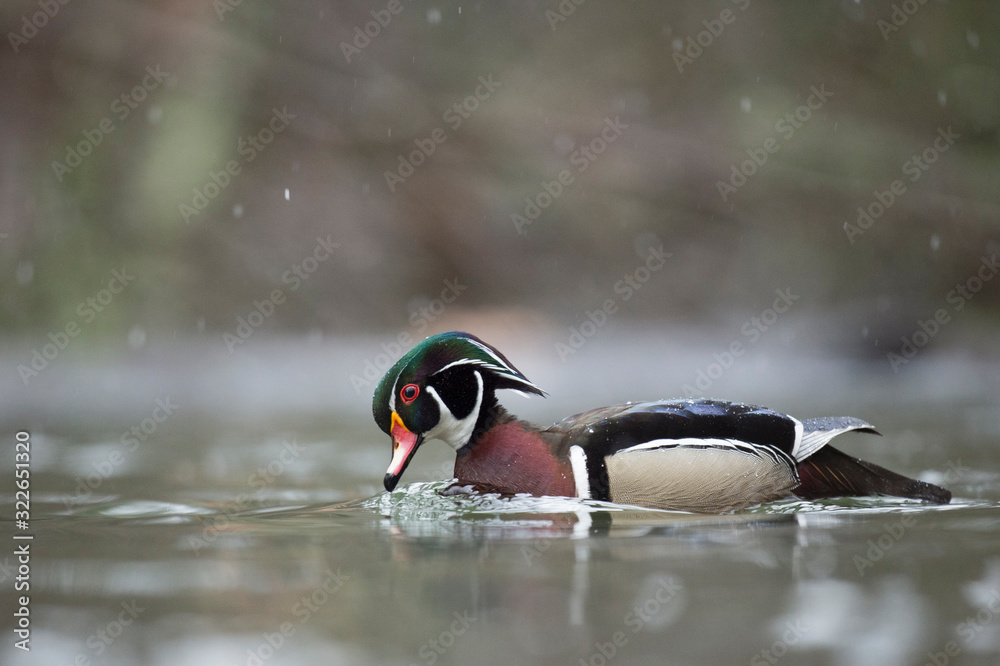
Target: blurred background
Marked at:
352, 114
252, 209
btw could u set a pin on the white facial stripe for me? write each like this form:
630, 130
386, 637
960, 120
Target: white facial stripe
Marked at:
526, 383
500, 362
469, 361
504, 370
454, 432
496, 358
578, 460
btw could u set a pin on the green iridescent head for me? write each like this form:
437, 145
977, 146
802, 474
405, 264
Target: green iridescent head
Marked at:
436, 390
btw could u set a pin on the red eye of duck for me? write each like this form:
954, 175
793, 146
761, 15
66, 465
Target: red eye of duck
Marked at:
409, 393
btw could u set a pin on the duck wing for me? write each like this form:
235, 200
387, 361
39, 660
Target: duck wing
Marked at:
714, 456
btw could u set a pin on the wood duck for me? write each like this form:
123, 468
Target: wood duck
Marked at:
703, 456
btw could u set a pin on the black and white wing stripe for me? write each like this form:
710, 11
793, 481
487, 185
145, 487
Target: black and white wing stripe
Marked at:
817, 433
706, 454
775, 455
705, 430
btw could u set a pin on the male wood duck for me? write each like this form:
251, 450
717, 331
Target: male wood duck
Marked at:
703, 456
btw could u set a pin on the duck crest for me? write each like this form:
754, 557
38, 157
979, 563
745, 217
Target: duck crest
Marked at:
513, 457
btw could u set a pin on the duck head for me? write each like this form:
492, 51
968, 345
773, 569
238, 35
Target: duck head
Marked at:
444, 388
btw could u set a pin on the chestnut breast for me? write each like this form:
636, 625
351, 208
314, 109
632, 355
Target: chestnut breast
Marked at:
512, 458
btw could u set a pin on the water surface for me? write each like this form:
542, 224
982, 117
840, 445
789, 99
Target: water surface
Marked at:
267, 539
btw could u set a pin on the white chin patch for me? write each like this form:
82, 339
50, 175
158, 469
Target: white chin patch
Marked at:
455, 432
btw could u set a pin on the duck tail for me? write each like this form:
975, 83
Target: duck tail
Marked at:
832, 473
